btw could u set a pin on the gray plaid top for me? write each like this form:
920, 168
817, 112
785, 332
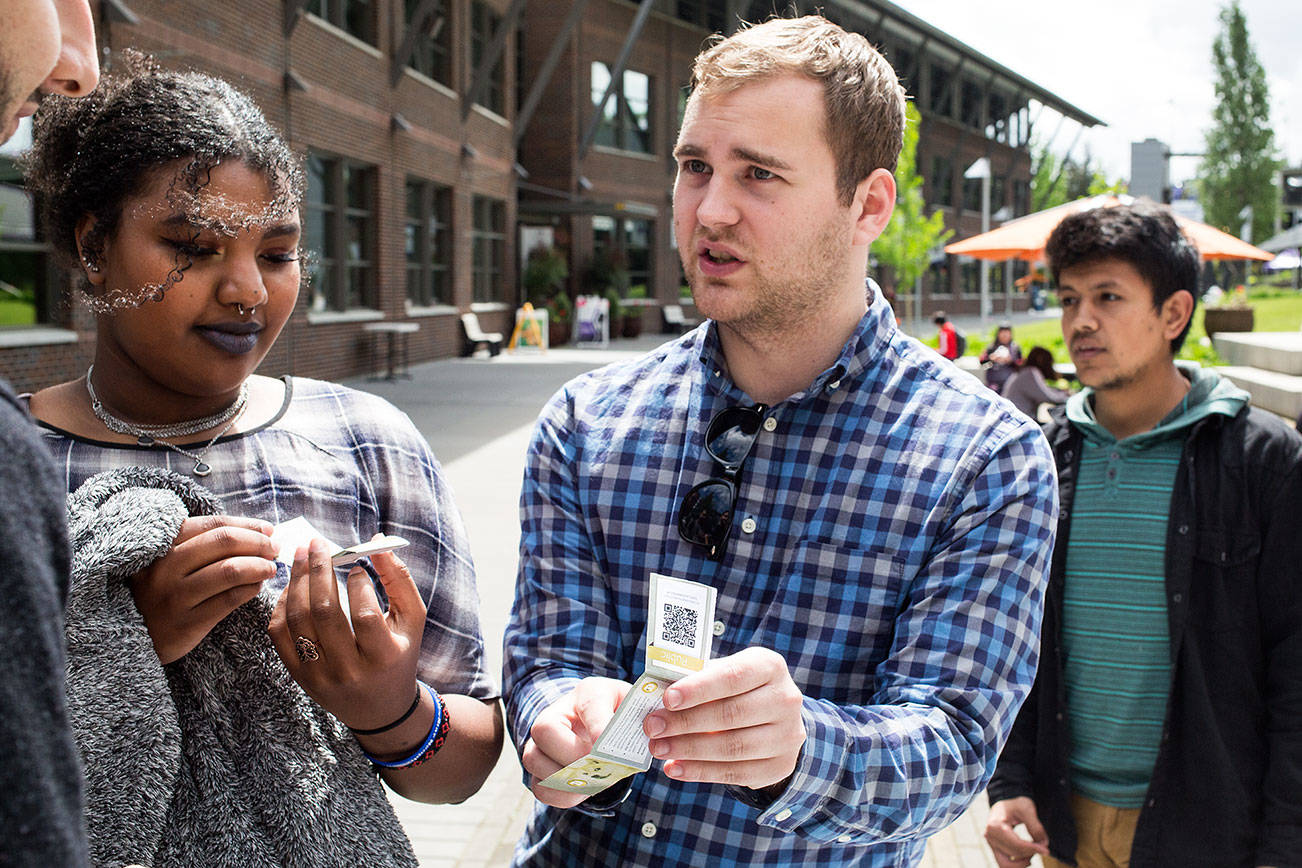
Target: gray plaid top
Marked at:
354, 465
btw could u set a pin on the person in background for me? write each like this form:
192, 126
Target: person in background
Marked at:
948, 336
46, 46
176, 206
876, 526
1165, 727
1029, 387
1001, 357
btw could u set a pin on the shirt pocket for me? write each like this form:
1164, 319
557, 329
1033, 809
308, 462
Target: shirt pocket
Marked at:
1224, 588
832, 617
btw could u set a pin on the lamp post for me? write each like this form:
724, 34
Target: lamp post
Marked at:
981, 169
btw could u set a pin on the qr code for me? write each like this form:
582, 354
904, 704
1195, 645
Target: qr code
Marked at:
679, 625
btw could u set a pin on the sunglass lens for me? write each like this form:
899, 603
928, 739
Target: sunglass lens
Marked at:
731, 434
706, 513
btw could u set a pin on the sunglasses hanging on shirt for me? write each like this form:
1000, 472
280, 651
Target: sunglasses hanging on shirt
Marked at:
706, 513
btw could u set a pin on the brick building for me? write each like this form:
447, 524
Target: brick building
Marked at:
403, 108
446, 138
600, 184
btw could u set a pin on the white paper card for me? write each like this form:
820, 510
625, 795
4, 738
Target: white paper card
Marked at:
680, 622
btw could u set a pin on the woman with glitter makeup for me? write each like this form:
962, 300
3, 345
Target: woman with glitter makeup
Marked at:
177, 206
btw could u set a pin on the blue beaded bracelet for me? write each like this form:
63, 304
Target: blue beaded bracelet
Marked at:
438, 734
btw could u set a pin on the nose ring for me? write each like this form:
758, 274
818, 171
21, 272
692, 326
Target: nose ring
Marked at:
243, 312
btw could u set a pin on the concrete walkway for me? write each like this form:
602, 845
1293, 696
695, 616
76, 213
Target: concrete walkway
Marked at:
477, 415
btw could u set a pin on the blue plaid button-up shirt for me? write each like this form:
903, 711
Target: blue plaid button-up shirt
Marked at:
891, 539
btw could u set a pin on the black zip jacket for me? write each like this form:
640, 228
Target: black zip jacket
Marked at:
1226, 789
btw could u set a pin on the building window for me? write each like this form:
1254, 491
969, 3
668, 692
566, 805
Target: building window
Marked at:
902, 59
938, 96
971, 194
340, 215
626, 118
428, 244
970, 104
997, 117
483, 24
998, 190
431, 56
970, 276
707, 14
355, 17
626, 243
28, 281
942, 180
1021, 198
637, 250
488, 239
938, 277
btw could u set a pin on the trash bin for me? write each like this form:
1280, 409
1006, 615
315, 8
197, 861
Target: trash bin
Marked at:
1037, 297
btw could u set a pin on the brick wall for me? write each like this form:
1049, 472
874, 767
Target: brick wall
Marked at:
345, 112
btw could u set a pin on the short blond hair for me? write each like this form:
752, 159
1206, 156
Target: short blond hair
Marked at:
862, 96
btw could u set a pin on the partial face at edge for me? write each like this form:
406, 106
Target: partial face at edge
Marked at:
46, 46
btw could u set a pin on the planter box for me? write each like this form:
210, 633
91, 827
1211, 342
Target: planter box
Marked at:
1227, 319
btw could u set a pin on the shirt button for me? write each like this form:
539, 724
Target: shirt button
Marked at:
648, 830
1184, 529
784, 814
835, 384
770, 424
844, 839
718, 628
748, 525
1175, 598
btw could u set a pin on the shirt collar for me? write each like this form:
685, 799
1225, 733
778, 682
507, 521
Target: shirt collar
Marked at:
860, 353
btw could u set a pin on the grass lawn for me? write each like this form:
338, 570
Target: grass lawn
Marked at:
1275, 311
16, 312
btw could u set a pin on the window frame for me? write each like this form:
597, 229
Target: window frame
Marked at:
488, 251
431, 268
341, 292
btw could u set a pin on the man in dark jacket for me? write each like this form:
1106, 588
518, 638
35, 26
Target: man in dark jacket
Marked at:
46, 46
1165, 725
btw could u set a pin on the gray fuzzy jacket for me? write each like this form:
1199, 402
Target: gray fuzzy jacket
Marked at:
217, 759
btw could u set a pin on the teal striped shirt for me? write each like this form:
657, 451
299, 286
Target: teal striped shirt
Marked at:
1115, 637
1114, 633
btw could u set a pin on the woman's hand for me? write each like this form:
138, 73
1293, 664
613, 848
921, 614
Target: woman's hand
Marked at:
365, 674
217, 564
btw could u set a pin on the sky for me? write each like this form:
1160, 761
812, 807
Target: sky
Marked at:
1142, 66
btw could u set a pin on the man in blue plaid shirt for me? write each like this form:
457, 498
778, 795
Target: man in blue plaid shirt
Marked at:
876, 524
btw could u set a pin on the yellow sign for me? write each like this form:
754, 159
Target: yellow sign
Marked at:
528, 331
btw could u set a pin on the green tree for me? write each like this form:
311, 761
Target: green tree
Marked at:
1240, 162
907, 243
1056, 181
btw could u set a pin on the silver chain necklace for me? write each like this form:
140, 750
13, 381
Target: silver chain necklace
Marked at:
149, 435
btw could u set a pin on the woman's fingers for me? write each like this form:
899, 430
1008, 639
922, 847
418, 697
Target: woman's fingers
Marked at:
406, 609
329, 622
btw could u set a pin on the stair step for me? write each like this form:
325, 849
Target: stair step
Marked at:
1270, 390
1270, 351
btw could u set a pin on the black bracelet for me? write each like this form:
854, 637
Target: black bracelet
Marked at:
415, 703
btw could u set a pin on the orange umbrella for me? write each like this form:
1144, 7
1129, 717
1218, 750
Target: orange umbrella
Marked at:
1025, 237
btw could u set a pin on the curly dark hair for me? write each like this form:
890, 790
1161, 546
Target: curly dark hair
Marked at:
89, 156
1142, 234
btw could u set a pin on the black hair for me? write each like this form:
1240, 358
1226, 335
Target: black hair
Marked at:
1142, 234
939, 317
1041, 359
90, 155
